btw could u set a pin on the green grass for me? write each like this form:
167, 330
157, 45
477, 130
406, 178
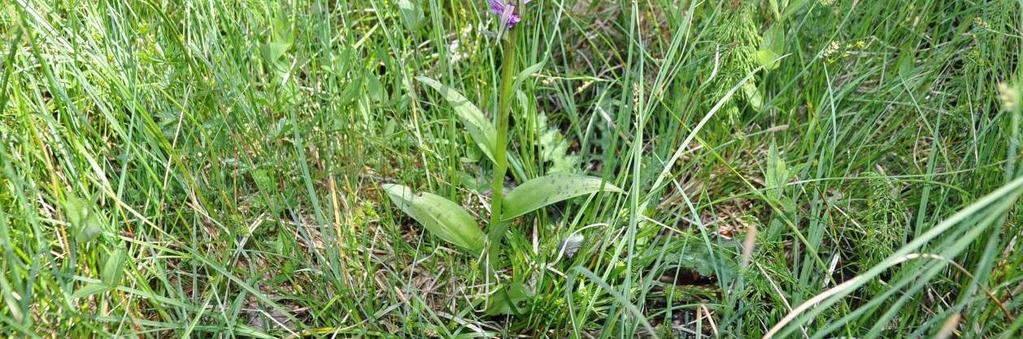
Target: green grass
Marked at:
208, 168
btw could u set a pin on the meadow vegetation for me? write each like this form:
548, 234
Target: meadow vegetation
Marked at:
797, 168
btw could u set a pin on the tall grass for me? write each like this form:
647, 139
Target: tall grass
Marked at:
213, 168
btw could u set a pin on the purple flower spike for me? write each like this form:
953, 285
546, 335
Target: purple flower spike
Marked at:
506, 11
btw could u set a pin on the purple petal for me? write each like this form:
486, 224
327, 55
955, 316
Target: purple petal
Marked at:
496, 6
508, 17
506, 12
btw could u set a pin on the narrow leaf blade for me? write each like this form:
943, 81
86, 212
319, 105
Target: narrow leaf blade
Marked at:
440, 216
537, 193
528, 72
480, 128
90, 289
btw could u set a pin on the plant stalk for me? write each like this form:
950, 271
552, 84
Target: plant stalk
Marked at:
497, 226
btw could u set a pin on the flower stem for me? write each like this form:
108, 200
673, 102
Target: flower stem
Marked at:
497, 226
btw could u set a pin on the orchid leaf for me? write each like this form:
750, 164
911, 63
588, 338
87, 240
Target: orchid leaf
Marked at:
509, 300
480, 128
440, 216
84, 218
539, 192
411, 14
113, 267
772, 47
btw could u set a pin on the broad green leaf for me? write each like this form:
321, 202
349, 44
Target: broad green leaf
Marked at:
546, 190
440, 216
481, 129
113, 268
76, 210
411, 14
507, 300
772, 47
906, 67
275, 50
753, 97
767, 58
375, 87
85, 221
776, 174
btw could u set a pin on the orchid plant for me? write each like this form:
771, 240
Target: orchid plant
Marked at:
449, 221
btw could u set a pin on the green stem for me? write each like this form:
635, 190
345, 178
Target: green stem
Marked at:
497, 225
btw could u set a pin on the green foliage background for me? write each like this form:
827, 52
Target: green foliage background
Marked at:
201, 168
